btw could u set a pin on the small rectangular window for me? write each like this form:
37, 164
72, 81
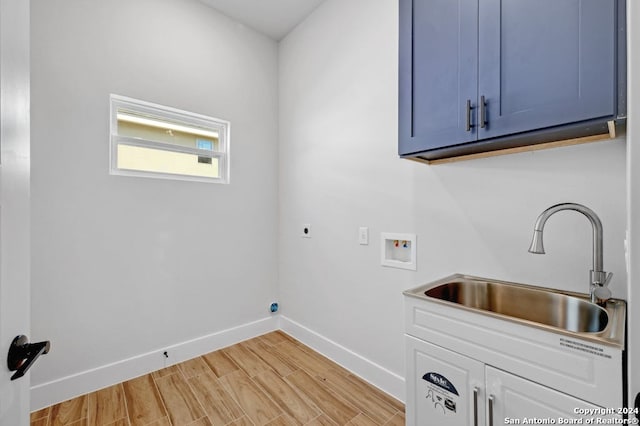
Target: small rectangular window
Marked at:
162, 142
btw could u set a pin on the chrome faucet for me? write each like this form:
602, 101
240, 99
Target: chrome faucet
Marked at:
598, 290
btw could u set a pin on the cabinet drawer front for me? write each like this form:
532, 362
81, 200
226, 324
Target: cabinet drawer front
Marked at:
545, 63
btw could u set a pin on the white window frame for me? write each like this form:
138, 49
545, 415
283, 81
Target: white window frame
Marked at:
173, 115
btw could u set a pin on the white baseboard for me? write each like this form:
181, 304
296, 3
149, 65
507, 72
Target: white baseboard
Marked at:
387, 381
59, 390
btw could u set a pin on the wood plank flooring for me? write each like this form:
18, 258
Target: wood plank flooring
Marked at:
271, 380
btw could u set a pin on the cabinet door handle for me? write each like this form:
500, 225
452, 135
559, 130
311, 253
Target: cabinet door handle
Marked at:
483, 112
491, 399
475, 406
469, 108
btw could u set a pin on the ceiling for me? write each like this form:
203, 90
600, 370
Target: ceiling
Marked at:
275, 18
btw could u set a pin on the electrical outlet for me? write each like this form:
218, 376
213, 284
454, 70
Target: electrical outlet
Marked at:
306, 231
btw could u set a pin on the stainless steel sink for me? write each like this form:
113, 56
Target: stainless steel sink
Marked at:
553, 309
564, 312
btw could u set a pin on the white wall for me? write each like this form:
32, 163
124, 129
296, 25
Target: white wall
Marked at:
123, 266
339, 170
633, 193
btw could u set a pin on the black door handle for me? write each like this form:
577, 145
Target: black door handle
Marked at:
23, 354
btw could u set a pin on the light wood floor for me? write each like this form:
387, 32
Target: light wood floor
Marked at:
269, 380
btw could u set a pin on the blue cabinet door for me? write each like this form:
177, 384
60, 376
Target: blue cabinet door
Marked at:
438, 74
545, 63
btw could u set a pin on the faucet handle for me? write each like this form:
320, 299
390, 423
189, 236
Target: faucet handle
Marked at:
608, 279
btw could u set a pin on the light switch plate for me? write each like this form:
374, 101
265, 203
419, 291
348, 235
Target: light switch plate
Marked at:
363, 236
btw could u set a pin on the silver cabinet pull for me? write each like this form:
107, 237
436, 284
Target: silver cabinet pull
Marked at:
469, 108
475, 406
483, 112
491, 399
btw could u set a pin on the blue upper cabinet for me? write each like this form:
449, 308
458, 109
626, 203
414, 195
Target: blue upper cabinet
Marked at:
481, 75
439, 73
545, 63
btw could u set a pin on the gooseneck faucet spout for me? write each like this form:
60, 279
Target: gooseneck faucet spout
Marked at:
599, 279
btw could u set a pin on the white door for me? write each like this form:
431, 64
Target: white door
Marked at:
515, 399
443, 388
14, 202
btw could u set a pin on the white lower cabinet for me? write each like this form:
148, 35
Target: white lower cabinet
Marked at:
445, 388
511, 399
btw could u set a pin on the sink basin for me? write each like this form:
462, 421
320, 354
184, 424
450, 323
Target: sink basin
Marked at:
539, 306
558, 311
